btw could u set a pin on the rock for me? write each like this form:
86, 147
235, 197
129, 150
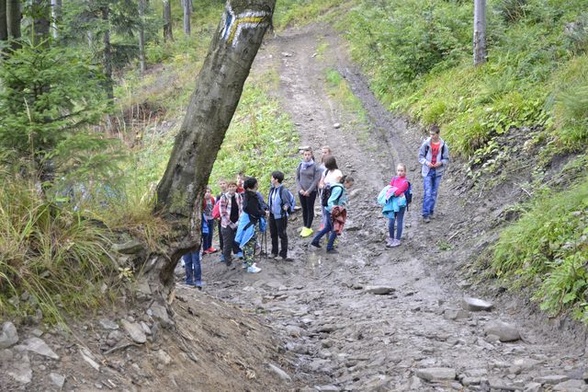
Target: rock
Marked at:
552, 380
57, 379
475, 304
135, 331
327, 388
21, 370
159, 312
108, 324
380, 290
129, 247
505, 332
436, 374
9, 336
89, 358
571, 386
163, 357
456, 314
282, 374
38, 346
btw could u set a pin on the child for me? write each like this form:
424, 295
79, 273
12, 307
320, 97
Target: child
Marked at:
207, 206
338, 198
395, 213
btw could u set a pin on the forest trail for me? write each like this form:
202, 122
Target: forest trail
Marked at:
418, 337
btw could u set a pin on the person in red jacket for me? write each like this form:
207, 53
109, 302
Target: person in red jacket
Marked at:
399, 185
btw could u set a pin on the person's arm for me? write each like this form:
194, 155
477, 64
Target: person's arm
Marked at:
316, 178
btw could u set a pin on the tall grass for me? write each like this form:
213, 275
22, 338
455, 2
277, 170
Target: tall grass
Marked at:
51, 259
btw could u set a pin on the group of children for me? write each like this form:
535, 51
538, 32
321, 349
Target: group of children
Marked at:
243, 212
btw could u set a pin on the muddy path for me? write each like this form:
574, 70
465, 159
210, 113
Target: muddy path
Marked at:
326, 309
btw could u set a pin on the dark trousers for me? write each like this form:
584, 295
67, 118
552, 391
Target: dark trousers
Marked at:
278, 230
229, 245
307, 204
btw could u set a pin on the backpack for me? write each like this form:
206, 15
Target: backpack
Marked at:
216, 209
287, 198
326, 194
408, 195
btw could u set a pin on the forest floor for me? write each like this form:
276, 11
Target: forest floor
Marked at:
369, 318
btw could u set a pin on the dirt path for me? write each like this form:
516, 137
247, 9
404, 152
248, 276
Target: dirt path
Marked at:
344, 337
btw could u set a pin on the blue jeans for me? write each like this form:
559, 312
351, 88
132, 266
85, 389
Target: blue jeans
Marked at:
431, 183
192, 267
207, 238
399, 219
328, 228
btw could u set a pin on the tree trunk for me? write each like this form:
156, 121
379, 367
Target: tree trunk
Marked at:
218, 89
41, 21
187, 5
480, 54
57, 14
167, 22
142, 7
13, 16
107, 54
3, 21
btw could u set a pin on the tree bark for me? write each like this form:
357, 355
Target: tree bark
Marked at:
480, 53
57, 14
218, 89
187, 5
41, 21
107, 54
142, 7
3, 21
13, 16
167, 22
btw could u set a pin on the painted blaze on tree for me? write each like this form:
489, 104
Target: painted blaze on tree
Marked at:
218, 89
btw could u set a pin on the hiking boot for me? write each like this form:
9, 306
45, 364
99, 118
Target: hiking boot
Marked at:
332, 251
306, 232
315, 244
253, 269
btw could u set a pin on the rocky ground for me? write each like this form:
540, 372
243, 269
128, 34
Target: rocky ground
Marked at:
367, 319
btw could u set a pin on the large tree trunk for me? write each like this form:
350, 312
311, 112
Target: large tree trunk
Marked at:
218, 89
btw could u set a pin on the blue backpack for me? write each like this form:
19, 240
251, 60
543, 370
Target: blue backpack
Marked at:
288, 199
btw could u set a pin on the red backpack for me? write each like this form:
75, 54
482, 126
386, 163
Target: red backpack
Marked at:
216, 209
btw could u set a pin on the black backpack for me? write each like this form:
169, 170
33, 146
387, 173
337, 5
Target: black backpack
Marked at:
408, 194
326, 194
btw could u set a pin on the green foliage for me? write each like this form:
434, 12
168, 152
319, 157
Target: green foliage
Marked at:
549, 245
52, 256
48, 99
259, 129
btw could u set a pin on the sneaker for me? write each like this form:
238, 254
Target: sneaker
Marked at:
239, 255
306, 232
253, 269
211, 250
332, 251
273, 256
244, 265
389, 242
287, 259
426, 219
316, 244
395, 243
